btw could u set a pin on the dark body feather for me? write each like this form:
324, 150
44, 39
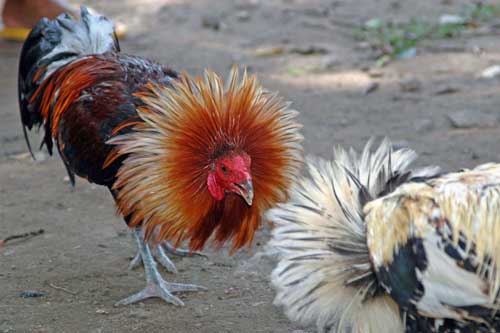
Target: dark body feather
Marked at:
90, 117
91, 120
74, 82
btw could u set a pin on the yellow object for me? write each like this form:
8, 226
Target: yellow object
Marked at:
120, 30
14, 34
20, 34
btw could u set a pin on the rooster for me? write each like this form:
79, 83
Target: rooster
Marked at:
184, 158
367, 244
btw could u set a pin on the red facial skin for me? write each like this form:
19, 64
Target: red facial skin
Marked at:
231, 173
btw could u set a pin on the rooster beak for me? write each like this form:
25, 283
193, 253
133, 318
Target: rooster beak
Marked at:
246, 191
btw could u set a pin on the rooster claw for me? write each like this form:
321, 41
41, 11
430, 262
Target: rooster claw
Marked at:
156, 286
163, 290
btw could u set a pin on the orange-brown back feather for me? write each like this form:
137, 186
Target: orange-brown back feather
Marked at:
64, 86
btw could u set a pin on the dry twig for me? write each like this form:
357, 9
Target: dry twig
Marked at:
20, 236
61, 288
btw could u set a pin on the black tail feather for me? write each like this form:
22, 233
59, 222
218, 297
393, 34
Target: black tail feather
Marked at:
44, 37
27, 139
51, 44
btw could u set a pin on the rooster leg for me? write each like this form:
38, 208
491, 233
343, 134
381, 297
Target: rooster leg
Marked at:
156, 286
159, 253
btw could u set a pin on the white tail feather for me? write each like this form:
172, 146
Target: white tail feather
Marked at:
91, 34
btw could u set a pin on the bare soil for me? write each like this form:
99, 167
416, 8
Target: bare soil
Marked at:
80, 262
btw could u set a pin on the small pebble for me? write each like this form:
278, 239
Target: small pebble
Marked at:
211, 22
31, 293
242, 15
491, 72
472, 119
446, 89
451, 19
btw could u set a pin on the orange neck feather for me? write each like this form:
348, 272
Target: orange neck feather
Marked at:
163, 181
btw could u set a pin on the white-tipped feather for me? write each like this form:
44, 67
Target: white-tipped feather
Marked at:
324, 275
91, 34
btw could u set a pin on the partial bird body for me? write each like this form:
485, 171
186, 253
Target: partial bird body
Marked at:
369, 245
455, 221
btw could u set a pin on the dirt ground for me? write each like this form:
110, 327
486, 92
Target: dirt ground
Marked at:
80, 262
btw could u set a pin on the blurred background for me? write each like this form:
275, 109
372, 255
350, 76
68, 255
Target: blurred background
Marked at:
425, 73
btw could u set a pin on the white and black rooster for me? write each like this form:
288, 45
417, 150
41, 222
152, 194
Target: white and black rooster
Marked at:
367, 245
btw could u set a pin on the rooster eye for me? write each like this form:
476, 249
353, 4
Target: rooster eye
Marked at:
224, 169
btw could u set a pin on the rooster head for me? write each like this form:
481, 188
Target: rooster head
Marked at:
231, 174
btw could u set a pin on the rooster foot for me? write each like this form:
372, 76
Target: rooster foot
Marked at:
161, 289
156, 286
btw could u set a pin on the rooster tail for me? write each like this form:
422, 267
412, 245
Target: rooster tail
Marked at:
52, 44
324, 275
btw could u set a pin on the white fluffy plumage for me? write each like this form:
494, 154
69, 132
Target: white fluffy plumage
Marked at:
324, 275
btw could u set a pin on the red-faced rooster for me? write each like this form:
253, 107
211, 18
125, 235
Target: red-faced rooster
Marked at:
367, 245
184, 158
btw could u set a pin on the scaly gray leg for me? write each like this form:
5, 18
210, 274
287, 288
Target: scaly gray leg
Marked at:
159, 251
156, 286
